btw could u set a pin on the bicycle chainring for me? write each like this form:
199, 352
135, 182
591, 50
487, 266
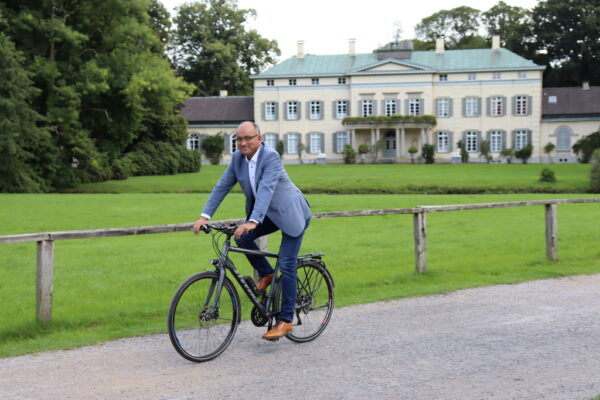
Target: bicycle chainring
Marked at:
257, 318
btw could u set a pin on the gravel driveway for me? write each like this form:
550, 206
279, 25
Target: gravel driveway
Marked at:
536, 340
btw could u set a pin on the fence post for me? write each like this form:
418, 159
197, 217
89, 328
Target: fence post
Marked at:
420, 232
551, 232
263, 244
44, 280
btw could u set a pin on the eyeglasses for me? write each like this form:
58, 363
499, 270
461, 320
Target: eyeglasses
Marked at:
244, 139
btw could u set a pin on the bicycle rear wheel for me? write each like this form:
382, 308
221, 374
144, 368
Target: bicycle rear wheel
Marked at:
314, 302
199, 329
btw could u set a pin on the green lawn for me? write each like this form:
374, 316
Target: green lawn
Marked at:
116, 287
396, 178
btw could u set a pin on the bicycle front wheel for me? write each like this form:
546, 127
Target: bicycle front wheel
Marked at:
314, 302
200, 327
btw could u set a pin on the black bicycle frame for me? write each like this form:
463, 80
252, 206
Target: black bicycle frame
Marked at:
224, 263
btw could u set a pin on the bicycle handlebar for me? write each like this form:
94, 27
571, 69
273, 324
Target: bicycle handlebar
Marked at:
228, 229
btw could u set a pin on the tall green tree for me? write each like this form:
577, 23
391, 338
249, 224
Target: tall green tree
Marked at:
458, 26
213, 49
568, 31
513, 25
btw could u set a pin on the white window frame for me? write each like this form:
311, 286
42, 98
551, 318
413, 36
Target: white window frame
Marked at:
292, 110
232, 143
314, 145
472, 77
270, 82
496, 75
194, 142
341, 140
366, 108
292, 143
443, 77
496, 106
341, 109
521, 105
443, 107
414, 106
522, 75
471, 107
471, 139
314, 81
521, 139
495, 141
443, 142
315, 110
391, 107
270, 111
271, 139
292, 82
342, 81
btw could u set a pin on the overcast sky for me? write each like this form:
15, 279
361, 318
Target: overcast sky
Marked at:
326, 25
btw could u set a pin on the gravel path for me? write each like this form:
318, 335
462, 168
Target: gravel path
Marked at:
536, 340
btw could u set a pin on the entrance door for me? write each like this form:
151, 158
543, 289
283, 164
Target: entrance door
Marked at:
389, 145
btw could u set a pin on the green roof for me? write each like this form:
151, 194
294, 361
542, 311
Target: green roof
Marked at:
426, 61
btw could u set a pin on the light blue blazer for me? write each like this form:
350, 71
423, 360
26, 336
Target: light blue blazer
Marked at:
276, 196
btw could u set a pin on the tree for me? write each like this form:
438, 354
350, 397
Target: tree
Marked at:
464, 154
595, 173
459, 26
548, 149
213, 147
585, 147
428, 152
514, 26
484, 151
508, 154
214, 51
524, 153
349, 154
568, 31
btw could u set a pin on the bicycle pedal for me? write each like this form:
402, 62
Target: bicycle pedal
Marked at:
272, 340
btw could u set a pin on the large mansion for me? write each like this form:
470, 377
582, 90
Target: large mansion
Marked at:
396, 98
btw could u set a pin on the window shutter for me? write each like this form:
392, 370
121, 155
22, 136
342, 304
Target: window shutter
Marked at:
262, 110
513, 139
322, 141
529, 138
437, 107
464, 106
405, 106
360, 111
514, 105
334, 109
478, 141
503, 140
334, 147
308, 109
374, 107
488, 135
200, 140
450, 107
285, 143
450, 146
299, 107
348, 108
503, 106
488, 106
227, 142
284, 110
308, 149
276, 139
421, 107
478, 111
299, 136
464, 139
321, 110
529, 104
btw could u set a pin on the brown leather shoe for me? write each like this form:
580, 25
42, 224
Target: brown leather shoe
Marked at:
279, 330
264, 282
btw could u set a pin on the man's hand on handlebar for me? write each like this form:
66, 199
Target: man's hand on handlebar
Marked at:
198, 224
244, 228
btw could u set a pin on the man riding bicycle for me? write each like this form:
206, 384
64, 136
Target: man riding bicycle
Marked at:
273, 203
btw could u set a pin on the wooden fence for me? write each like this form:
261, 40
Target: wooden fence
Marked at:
45, 241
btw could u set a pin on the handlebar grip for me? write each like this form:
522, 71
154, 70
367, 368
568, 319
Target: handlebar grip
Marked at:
205, 229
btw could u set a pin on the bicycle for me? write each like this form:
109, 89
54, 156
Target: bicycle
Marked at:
206, 309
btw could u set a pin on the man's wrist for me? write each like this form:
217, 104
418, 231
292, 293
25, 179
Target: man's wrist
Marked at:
205, 216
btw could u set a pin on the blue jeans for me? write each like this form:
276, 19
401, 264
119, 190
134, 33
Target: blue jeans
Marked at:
288, 254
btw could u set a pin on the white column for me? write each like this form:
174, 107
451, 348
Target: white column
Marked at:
397, 131
402, 142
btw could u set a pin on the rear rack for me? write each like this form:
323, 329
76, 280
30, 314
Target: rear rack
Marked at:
311, 256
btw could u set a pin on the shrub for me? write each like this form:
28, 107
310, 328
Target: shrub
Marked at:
412, 150
428, 151
213, 147
484, 151
161, 158
595, 173
586, 146
349, 154
280, 148
524, 153
547, 175
363, 148
508, 154
464, 154
121, 168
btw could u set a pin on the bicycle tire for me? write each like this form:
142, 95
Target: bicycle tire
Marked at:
199, 331
314, 302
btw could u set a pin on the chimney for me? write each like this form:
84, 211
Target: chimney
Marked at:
300, 49
352, 47
495, 42
222, 93
439, 45
585, 85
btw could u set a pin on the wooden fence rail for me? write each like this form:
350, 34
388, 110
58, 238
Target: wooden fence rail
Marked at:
45, 241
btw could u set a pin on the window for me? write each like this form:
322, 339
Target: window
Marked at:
292, 143
315, 110
443, 77
472, 77
472, 141
367, 108
315, 143
521, 137
443, 107
495, 141
552, 99
563, 138
522, 75
414, 106
270, 111
496, 104
271, 139
292, 82
471, 107
341, 138
521, 105
496, 75
270, 82
314, 81
341, 109
391, 107
232, 143
443, 142
193, 142
341, 81
292, 110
